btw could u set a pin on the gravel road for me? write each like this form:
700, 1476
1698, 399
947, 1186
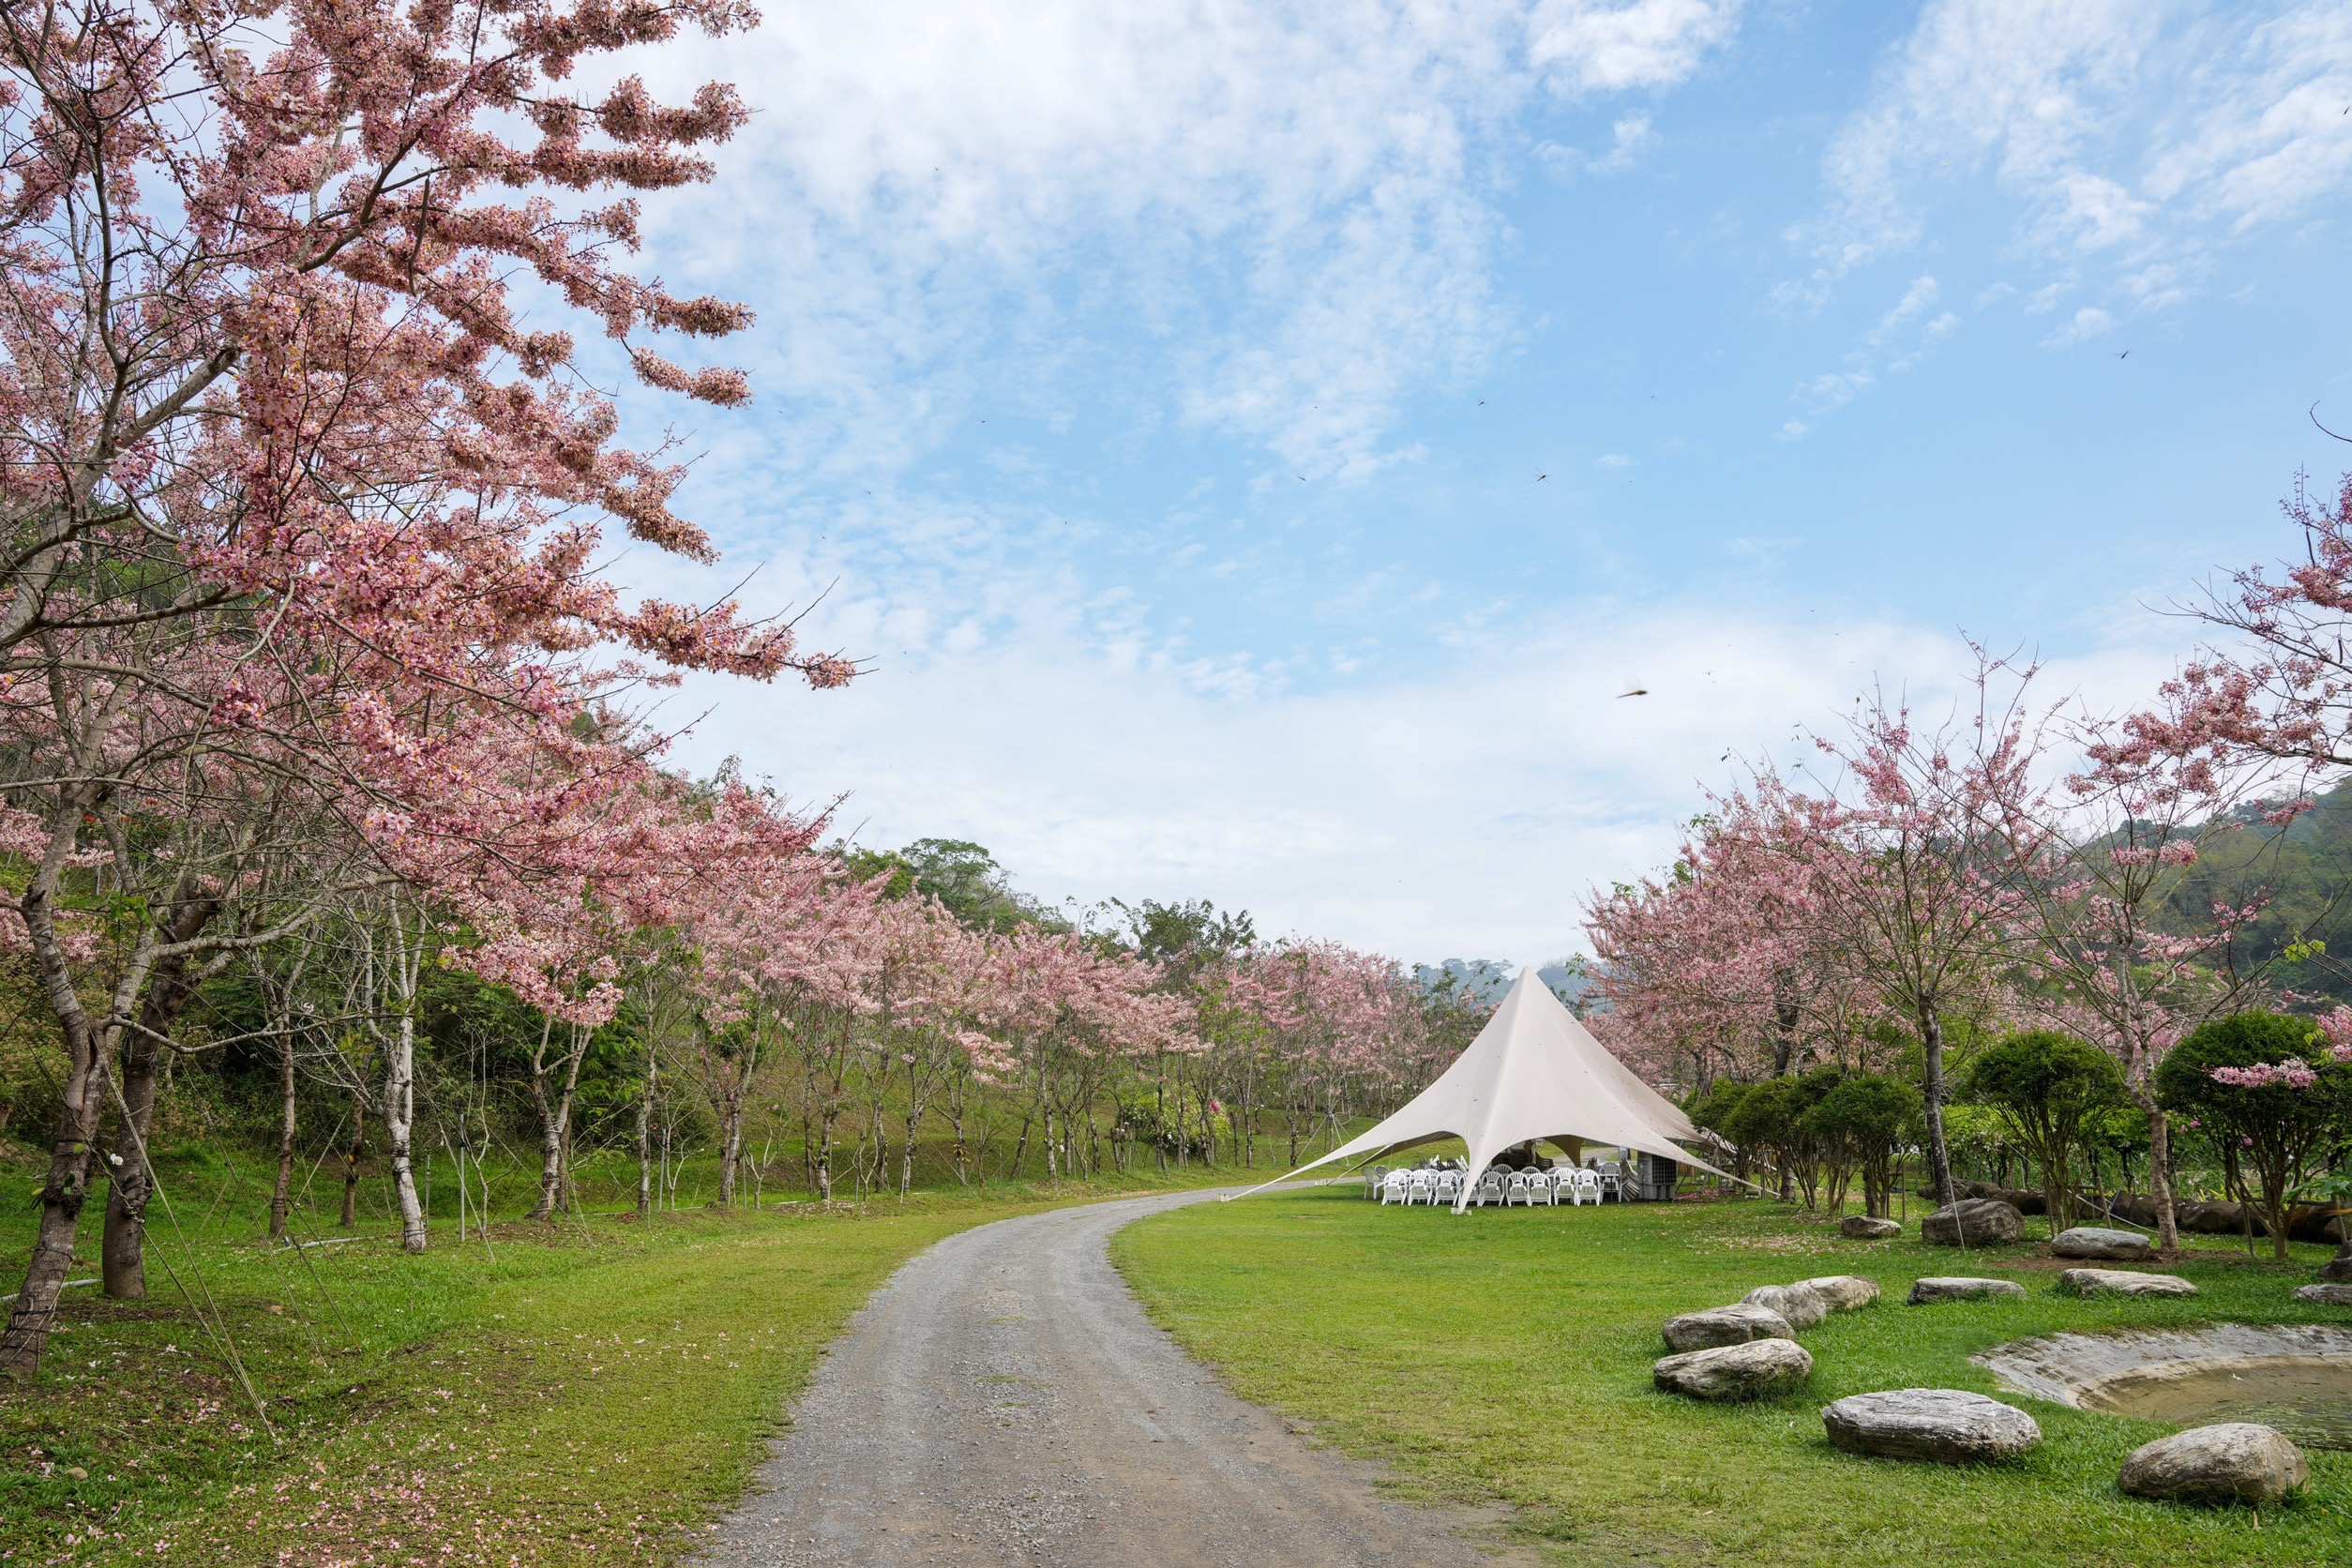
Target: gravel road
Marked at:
1005, 1400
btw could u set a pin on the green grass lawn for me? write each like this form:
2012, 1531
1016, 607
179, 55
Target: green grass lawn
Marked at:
594, 1391
1507, 1353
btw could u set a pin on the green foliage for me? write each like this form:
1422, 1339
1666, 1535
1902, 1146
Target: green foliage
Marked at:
1714, 1109
1776, 1114
962, 875
1860, 1124
2277, 1130
2047, 1085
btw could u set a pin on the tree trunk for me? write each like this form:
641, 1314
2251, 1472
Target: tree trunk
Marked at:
730, 1145
824, 1153
351, 1165
61, 1200
1931, 1036
281, 1196
555, 1133
645, 1140
123, 1243
2160, 1175
400, 1119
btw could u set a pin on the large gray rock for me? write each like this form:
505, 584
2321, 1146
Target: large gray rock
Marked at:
1725, 1325
1973, 1222
1861, 1228
1749, 1371
1960, 1287
2089, 1241
1945, 1424
2124, 1282
1802, 1305
2236, 1461
1844, 1291
2327, 1296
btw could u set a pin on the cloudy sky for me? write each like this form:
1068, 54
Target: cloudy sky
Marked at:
1253, 444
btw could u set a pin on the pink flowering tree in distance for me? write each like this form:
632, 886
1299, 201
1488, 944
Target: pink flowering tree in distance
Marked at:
287, 484
2097, 868
1906, 850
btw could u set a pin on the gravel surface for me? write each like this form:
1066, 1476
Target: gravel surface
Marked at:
1005, 1400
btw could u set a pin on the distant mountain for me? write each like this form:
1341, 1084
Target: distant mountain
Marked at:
1478, 982
2305, 873
1484, 982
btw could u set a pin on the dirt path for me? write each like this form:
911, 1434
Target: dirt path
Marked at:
1003, 1400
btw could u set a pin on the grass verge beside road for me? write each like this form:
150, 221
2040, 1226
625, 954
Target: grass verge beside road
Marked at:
594, 1391
1506, 1354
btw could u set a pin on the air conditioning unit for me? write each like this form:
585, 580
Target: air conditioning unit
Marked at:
1658, 1176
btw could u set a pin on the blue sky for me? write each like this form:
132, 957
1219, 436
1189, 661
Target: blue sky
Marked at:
1254, 445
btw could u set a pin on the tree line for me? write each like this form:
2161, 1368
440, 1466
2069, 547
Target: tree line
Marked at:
2020, 871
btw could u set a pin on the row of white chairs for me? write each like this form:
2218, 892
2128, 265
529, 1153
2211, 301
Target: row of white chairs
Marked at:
1574, 1184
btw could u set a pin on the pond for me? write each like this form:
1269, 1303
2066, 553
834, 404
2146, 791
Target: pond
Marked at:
2297, 1377
2309, 1399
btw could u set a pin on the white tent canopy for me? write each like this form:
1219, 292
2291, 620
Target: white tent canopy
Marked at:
1533, 1072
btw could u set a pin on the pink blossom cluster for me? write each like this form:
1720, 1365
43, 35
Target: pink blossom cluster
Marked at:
2289, 1074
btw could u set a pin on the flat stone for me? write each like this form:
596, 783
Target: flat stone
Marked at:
2327, 1296
1802, 1305
1945, 1424
1749, 1371
2089, 1241
1973, 1222
1725, 1325
1960, 1287
1861, 1228
1844, 1291
2236, 1461
2124, 1282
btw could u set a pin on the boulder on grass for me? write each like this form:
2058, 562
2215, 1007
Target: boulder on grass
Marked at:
1725, 1325
2218, 1219
1844, 1291
2326, 1295
1749, 1371
1960, 1287
1973, 1222
2236, 1461
1945, 1424
2089, 1241
1802, 1305
1861, 1228
2124, 1282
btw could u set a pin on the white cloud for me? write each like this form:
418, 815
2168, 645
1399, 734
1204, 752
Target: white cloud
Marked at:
1900, 341
1613, 45
2088, 322
2139, 135
1279, 220
1628, 139
1615, 459
1092, 771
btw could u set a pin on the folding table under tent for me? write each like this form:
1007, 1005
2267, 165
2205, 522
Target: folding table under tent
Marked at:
1533, 1072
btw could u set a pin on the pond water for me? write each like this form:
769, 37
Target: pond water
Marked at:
2307, 1398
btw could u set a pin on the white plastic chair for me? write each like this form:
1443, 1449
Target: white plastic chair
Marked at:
1587, 1185
1423, 1188
1551, 1188
1516, 1190
1449, 1186
1489, 1188
1393, 1188
1373, 1176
